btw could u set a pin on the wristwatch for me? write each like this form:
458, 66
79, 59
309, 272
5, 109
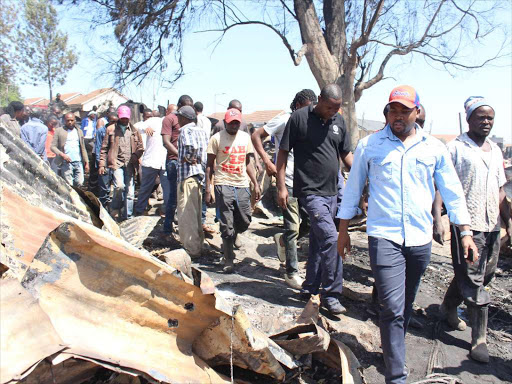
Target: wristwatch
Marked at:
466, 233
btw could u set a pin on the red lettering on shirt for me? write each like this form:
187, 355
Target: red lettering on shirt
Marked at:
237, 149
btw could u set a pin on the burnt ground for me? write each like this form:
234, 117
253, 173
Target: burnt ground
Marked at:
258, 286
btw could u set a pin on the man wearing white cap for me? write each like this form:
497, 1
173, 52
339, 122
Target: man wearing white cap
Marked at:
479, 165
120, 151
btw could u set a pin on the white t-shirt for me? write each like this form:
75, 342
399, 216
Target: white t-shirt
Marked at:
205, 123
89, 129
155, 153
141, 127
72, 146
275, 128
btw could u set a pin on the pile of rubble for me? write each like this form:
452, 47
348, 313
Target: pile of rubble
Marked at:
77, 294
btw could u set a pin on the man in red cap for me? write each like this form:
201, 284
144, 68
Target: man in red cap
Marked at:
401, 163
120, 151
229, 152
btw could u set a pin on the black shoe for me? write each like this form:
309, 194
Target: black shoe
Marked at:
304, 295
333, 306
414, 323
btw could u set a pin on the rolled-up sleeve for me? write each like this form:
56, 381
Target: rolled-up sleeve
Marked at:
349, 206
450, 188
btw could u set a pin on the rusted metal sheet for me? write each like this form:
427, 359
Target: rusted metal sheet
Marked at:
33, 180
233, 338
111, 302
340, 357
71, 371
27, 335
307, 336
33, 202
303, 339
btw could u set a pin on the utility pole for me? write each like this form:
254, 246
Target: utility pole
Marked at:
460, 122
215, 100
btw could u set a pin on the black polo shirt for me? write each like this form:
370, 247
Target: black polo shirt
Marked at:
316, 147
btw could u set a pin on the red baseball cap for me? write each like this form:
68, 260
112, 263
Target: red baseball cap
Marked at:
233, 114
405, 95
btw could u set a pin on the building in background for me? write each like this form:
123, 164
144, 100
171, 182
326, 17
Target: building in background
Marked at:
102, 99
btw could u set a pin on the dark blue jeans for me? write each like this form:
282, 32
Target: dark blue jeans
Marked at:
104, 182
397, 270
203, 208
324, 266
170, 209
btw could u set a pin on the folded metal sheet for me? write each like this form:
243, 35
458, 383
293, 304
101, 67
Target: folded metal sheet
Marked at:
71, 371
33, 180
33, 202
137, 229
307, 336
27, 335
340, 357
303, 339
232, 337
111, 302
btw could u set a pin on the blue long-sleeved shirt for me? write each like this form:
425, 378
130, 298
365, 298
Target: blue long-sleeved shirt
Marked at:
100, 134
34, 133
401, 186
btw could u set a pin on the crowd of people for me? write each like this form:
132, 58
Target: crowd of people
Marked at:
410, 177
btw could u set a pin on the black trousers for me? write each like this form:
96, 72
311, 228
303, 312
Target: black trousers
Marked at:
470, 280
233, 209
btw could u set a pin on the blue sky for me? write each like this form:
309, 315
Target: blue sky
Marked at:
252, 65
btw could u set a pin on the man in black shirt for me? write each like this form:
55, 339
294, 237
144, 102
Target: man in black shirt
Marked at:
319, 139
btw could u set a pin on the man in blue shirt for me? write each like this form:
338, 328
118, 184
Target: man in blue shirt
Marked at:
402, 163
34, 133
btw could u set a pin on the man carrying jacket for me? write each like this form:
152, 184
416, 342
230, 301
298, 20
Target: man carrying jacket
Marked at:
120, 152
69, 146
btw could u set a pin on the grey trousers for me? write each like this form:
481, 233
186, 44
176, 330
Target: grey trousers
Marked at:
470, 280
397, 270
291, 221
233, 210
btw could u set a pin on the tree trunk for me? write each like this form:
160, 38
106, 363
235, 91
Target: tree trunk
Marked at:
320, 60
324, 65
349, 111
50, 83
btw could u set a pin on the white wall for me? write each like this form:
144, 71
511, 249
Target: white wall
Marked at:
102, 101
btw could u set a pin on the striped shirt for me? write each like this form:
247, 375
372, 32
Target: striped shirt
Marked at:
192, 144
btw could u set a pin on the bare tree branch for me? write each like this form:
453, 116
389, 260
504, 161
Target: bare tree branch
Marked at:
288, 9
296, 57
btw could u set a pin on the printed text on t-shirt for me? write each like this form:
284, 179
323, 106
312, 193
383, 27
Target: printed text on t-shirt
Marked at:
237, 156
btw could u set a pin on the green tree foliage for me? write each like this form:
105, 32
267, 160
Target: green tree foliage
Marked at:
46, 56
8, 54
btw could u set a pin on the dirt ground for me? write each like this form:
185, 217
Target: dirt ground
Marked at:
258, 286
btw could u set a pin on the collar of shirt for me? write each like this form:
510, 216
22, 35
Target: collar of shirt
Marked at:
401, 186
311, 110
36, 120
388, 134
469, 141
